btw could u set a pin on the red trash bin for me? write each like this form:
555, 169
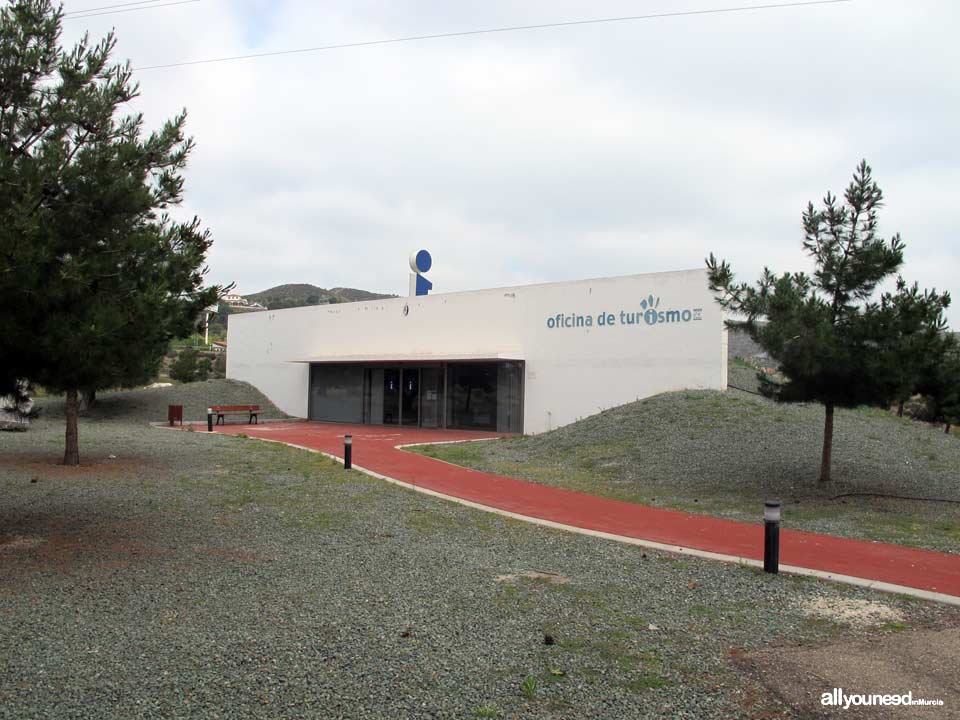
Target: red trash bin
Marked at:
175, 414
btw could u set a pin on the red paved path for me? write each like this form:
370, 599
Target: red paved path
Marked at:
374, 448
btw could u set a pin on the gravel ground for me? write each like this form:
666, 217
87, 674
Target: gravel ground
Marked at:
725, 453
202, 576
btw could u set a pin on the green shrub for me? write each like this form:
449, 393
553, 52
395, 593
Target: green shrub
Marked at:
184, 368
220, 366
203, 368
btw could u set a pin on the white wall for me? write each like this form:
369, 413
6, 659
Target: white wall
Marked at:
570, 372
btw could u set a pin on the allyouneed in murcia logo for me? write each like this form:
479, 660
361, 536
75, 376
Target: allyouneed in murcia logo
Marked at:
839, 699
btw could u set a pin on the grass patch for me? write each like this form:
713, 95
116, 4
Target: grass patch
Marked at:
436, 521
644, 683
897, 626
324, 520
706, 611
529, 687
637, 623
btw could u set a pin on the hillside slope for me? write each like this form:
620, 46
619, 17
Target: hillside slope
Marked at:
300, 294
150, 404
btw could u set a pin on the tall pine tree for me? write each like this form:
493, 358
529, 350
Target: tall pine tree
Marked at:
834, 345
95, 277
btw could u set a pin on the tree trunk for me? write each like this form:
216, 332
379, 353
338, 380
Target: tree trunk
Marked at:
900, 409
827, 443
946, 428
71, 453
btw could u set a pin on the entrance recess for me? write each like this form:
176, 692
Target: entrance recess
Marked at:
476, 395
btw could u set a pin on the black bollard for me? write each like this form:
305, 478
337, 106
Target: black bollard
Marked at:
209, 419
771, 536
347, 452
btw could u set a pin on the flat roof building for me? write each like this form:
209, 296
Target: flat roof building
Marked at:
517, 359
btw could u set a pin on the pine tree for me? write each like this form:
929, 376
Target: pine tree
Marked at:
96, 277
915, 336
941, 384
833, 344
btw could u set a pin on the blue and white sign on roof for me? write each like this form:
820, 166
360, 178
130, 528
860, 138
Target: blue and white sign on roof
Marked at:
420, 262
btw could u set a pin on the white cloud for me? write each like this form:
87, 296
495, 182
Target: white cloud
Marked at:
549, 154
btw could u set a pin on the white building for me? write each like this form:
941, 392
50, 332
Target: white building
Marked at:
518, 359
235, 300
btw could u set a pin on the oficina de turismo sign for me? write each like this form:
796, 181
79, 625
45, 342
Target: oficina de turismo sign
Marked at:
649, 313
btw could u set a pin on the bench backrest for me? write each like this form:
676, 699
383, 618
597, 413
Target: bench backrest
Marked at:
235, 408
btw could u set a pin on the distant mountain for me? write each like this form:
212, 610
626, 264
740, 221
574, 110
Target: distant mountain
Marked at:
301, 294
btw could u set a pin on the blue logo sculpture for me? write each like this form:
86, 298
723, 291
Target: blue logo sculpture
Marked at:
420, 262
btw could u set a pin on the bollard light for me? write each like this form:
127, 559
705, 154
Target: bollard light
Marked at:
771, 536
209, 419
347, 452
771, 511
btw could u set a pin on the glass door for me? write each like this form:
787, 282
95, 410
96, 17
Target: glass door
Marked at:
430, 394
391, 396
410, 406
472, 396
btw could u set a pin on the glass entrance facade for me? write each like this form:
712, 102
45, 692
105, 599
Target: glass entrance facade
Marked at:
462, 395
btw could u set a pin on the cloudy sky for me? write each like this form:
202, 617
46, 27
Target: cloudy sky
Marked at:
550, 154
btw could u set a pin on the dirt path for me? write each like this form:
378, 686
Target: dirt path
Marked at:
922, 662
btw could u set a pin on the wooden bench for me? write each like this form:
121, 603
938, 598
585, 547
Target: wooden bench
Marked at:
252, 410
